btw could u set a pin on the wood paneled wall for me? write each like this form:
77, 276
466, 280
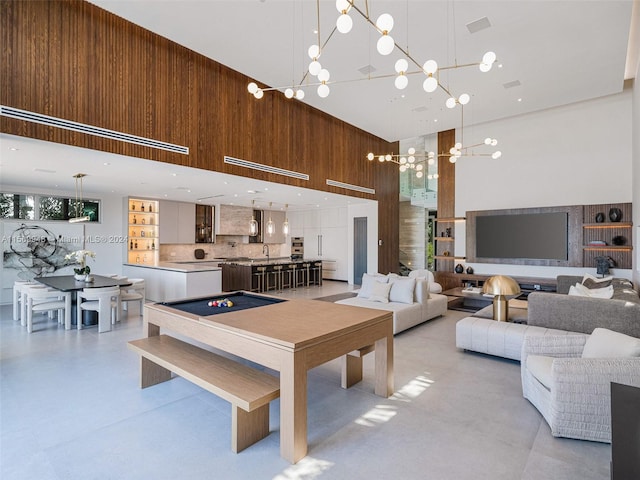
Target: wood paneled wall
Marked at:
73, 60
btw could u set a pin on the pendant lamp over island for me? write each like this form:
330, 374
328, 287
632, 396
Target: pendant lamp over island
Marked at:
271, 227
253, 224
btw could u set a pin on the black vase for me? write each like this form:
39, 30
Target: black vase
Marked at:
615, 214
600, 217
459, 268
469, 270
619, 240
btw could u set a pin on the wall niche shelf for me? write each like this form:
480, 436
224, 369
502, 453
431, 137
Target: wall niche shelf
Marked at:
143, 228
605, 232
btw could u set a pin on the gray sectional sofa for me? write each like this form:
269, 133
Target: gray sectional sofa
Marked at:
560, 311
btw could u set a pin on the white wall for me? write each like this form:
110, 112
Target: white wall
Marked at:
573, 155
107, 238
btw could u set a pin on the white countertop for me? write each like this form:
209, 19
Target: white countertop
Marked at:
195, 266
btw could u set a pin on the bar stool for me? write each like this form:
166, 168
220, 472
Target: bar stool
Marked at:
304, 273
277, 275
291, 276
259, 276
316, 271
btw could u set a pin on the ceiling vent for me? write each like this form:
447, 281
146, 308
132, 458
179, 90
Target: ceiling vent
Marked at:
348, 186
89, 129
265, 168
515, 83
478, 25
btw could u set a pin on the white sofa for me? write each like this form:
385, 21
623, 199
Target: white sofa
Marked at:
423, 305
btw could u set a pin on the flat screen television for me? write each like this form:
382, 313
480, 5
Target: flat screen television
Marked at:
537, 236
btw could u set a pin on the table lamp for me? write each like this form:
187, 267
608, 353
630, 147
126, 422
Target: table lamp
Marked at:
501, 287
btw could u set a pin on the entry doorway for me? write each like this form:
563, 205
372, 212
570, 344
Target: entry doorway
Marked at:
359, 249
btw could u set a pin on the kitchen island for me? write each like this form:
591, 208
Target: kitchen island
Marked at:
262, 275
168, 281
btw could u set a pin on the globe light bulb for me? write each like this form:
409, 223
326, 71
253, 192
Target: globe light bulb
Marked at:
344, 23
430, 67
323, 90
401, 65
315, 68
385, 45
453, 159
288, 93
484, 68
411, 151
313, 52
430, 177
494, 142
419, 167
496, 155
411, 159
489, 58
458, 145
452, 150
436, 175
388, 157
430, 84
487, 141
451, 102
403, 168
342, 5
401, 81
384, 23
323, 75
403, 160
299, 94
259, 94
370, 156
419, 174
431, 161
464, 99
252, 87
381, 158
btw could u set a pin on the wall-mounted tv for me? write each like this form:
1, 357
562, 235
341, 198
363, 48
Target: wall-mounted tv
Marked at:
536, 236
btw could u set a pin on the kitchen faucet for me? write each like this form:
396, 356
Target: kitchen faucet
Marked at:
265, 250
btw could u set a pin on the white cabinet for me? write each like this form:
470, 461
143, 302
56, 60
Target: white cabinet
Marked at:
177, 222
325, 238
296, 226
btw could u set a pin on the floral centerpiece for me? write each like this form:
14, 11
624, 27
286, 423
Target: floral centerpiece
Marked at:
80, 257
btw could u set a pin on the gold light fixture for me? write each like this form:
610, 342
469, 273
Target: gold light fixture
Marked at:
285, 225
385, 45
503, 288
79, 205
253, 224
271, 227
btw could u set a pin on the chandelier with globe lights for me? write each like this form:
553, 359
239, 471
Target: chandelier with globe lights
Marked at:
385, 46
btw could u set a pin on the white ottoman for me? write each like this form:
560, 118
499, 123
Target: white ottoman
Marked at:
503, 339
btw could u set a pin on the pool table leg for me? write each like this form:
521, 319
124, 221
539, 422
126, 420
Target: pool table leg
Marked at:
293, 409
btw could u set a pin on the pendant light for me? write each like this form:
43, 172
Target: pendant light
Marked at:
79, 206
253, 224
285, 225
271, 227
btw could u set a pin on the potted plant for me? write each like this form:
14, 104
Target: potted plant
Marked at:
80, 256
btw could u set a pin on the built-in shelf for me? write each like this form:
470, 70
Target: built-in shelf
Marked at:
607, 231
143, 229
448, 257
445, 239
449, 219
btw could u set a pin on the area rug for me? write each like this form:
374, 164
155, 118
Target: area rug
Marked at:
335, 298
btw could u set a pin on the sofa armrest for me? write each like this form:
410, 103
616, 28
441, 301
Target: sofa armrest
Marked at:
575, 378
559, 346
583, 314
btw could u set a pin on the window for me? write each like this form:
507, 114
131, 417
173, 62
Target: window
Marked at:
13, 205
44, 207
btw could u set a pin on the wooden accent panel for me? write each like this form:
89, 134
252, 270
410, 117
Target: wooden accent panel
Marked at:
446, 201
73, 60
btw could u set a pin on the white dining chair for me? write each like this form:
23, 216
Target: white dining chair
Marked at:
133, 293
18, 286
48, 300
24, 294
104, 300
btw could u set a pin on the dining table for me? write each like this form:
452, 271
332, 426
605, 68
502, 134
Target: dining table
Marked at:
68, 283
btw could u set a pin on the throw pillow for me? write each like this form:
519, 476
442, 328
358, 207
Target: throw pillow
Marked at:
582, 291
380, 292
592, 282
540, 367
402, 289
604, 343
367, 282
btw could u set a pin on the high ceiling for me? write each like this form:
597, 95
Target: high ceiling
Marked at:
558, 52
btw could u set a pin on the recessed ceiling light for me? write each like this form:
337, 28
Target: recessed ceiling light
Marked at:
435, 120
266, 189
499, 65
174, 174
14, 149
226, 183
235, 194
106, 164
299, 194
519, 99
251, 191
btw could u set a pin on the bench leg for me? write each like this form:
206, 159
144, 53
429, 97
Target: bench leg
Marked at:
248, 427
151, 373
351, 370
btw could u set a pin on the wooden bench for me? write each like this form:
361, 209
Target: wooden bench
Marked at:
248, 390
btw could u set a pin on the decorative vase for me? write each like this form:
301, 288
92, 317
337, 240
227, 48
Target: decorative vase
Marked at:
79, 276
88, 278
599, 217
469, 270
615, 214
618, 240
459, 268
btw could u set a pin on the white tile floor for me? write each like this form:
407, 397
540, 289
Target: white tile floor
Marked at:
71, 409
